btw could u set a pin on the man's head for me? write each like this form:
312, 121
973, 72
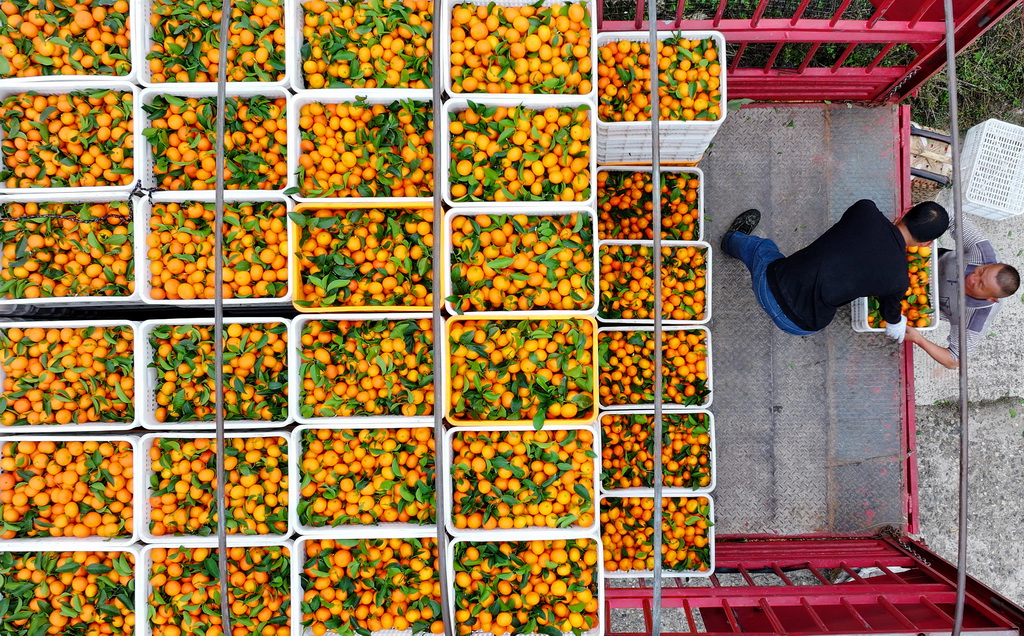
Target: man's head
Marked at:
924, 223
992, 282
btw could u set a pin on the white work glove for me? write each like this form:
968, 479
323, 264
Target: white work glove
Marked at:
898, 330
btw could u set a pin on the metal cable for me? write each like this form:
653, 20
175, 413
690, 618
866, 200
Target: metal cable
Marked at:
438, 324
652, 22
954, 133
218, 317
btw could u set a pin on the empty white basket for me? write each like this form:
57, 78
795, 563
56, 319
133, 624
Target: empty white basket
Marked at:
993, 170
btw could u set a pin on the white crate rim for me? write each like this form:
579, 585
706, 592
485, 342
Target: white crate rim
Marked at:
363, 421
993, 171
859, 307
448, 249
40, 195
442, 148
530, 532
62, 87
639, 574
667, 491
666, 406
92, 427
371, 96
244, 90
92, 541
143, 211
444, 31
667, 321
146, 379
694, 171
187, 540
402, 530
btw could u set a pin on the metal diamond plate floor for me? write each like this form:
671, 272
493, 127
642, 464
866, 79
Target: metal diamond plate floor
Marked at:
808, 427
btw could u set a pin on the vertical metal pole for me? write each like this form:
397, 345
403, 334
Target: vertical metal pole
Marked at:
652, 23
438, 324
954, 133
218, 318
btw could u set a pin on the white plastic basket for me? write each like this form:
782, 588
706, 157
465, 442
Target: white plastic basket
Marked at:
666, 406
146, 379
298, 593
681, 141
295, 19
143, 211
670, 245
442, 147
144, 513
64, 545
353, 530
142, 29
296, 396
105, 427
444, 32
63, 88
95, 542
646, 574
517, 534
371, 96
667, 491
993, 163
42, 195
598, 630
694, 172
145, 560
591, 309
146, 165
859, 307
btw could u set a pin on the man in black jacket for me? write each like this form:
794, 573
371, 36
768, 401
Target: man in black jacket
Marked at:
863, 254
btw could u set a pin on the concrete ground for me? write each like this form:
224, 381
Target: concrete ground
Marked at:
996, 377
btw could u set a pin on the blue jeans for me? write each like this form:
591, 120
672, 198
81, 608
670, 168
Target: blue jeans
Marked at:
756, 253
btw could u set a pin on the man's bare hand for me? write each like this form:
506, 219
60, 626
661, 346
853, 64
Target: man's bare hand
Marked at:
913, 335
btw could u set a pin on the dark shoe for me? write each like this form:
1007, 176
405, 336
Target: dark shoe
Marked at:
746, 222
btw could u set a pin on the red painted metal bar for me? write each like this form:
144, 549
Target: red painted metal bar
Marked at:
680, 7
881, 56
799, 12
807, 58
840, 11
813, 614
879, 12
719, 12
807, 31
842, 58
758, 12
925, 7
896, 613
736, 58
771, 59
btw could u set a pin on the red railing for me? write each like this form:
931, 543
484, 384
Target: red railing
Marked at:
820, 586
815, 50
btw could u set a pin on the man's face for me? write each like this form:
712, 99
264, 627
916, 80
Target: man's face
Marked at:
982, 283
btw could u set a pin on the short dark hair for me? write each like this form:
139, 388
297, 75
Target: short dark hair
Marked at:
926, 221
1008, 280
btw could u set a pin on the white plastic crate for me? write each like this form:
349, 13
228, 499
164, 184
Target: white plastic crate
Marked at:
298, 593
591, 309
859, 307
371, 96
668, 407
142, 32
146, 379
993, 167
144, 512
94, 542
63, 88
681, 141
143, 210
295, 19
144, 150
667, 491
144, 587
694, 172
516, 534
642, 574
73, 427
42, 195
64, 545
670, 245
598, 630
296, 396
444, 32
350, 530
442, 147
